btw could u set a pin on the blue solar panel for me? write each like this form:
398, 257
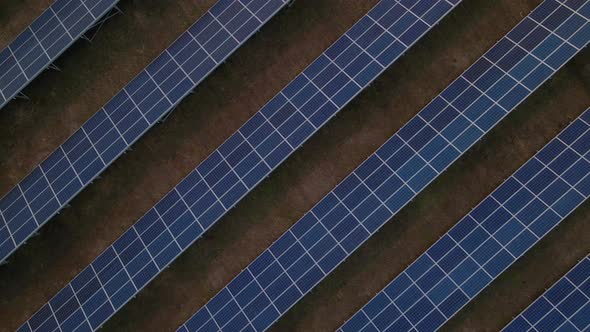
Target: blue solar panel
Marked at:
127, 116
45, 40
391, 177
235, 168
563, 307
484, 243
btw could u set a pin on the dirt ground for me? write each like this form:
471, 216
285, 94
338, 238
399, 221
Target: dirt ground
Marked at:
16, 15
92, 73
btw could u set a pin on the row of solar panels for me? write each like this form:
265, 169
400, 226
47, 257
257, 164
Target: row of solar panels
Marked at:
428, 144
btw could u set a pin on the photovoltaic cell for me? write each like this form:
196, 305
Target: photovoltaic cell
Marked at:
390, 178
563, 307
484, 243
127, 116
45, 40
236, 167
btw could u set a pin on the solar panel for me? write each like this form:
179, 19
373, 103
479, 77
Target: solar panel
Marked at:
484, 243
402, 167
127, 116
239, 164
45, 40
563, 307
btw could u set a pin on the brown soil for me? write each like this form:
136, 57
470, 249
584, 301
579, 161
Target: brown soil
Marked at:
16, 15
224, 101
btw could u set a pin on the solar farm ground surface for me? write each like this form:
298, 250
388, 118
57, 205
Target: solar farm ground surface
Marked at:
92, 73
17, 15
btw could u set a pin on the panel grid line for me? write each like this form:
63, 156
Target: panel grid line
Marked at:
88, 9
86, 320
17, 63
61, 22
